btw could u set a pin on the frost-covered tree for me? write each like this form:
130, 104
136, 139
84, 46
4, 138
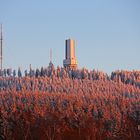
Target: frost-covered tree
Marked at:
5, 72
9, 72
37, 73
19, 73
14, 73
26, 73
1, 73
42, 73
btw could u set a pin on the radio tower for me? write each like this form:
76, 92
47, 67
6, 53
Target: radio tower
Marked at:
1, 54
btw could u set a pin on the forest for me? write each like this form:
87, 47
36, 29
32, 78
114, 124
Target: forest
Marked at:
62, 104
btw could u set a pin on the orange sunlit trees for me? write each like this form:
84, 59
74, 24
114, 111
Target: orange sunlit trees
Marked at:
62, 104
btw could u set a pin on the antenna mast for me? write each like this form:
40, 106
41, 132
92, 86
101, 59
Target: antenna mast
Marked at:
1, 51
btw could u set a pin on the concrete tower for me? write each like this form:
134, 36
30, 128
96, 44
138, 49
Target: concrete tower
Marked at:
70, 60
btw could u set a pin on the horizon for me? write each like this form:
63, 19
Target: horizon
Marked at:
106, 33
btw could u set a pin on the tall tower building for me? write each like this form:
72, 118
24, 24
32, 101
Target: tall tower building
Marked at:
70, 60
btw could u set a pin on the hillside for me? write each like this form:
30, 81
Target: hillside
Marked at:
60, 104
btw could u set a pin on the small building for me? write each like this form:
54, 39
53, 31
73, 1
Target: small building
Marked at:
70, 60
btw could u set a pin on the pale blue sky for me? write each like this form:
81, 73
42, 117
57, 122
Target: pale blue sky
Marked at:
107, 32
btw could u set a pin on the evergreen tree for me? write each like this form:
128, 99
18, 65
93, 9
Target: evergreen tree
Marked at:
19, 73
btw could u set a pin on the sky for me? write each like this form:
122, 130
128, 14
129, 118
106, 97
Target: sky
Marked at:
106, 33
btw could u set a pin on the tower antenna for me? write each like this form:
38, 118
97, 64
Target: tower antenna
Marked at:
1, 49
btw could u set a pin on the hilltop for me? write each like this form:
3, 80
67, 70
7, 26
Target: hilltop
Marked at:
69, 104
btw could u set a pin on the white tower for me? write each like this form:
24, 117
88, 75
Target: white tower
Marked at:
70, 60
